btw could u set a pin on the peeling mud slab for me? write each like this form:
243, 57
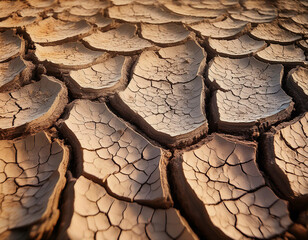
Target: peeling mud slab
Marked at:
31, 108
100, 216
292, 26
98, 20
187, 10
15, 73
136, 13
100, 80
240, 47
8, 7
285, 54
51, 31
297, 86
208, 29
249, 96
107, 149
165, 96
232, 198
254, 16
286, 158
73, 55
272, 32
11, 45
15, 21
164, 34
32, 177
121, 40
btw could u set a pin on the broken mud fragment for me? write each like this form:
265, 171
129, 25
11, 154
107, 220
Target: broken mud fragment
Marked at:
249, 96
32, 176
51, 31
11, 45
112, 152
99, 214
165, 96
15, 73
224, 176
31, 108
100, 80
122, 40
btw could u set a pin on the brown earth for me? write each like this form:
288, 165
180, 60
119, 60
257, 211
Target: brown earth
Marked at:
154, 119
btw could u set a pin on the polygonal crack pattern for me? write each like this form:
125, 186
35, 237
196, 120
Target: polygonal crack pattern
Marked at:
287, 151
100, 79
249, 93
112, 152
32, 178
140, 95
98, 215
224, 175
33, 107
165, 96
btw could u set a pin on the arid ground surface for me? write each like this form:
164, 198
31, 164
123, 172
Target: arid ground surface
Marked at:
167, 119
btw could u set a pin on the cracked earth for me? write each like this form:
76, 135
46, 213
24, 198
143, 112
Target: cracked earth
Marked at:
154, 119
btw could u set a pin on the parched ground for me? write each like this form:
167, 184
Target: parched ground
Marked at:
154, 119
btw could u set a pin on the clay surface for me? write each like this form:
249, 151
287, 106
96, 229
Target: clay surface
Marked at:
101, 79
169, 97
11, 45
32, 178
33, 107
115, 154
97, 213
153, 119
122, 39
50, 31
249, 92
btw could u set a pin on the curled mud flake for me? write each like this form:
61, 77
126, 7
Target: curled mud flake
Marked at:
53, 31
273, 33
16, 21
11, 45
8, 7
297, 86
89, 4
101, 79
14, 73
263, 6
34, 168
122, 39
41, 3
164, 34
33, 107
304, 44
73, 55
112, 152
208, 29
292, 26
249, 94
125, 2
301, 19
254, 16
286, 54
223, 174
97, 215
229, 23
241, 46
98, 19
203, 5
187, 10
136, 13
165, 96
286, 157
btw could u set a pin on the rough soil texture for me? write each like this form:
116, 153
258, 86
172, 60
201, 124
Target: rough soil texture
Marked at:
154, 119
